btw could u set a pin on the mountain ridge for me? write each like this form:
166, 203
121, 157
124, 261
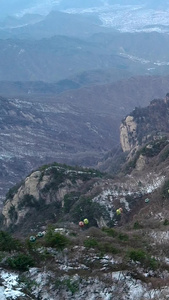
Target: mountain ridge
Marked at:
112, 251
44, 120
145, 170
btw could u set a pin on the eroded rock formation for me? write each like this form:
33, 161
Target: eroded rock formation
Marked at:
128, 134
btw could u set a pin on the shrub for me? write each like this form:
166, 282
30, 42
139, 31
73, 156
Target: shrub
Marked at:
165, 189
69, 200
164, 155
107, 248
55, 239
20, 262
110, 231
72, 286
29, 201
137, 225
13, 213
90, 243
166, 222
58, 175
86, 208
7, 242
141, 256
137, 255
154, 147
152, 263
103, 247
27, 282
123, 237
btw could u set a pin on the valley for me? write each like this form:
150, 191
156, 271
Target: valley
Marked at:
84, 149
35, 127
65, 88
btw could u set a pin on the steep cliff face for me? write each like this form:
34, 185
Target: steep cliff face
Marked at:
145, 124
128, 134
48, 194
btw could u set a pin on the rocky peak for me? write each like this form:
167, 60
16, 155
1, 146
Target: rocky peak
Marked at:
51, 191
145, 124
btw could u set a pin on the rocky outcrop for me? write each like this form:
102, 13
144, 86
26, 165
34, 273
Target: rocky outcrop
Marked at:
13, 206
128, 134
140, 164
54, 190
59, 193
40, 186
144, 125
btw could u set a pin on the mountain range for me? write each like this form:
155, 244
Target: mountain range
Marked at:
125, 16
63, 193
66, 82
60, 57
84, 150
50, 255
35, 126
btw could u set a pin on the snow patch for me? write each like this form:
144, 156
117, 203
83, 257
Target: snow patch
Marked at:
129, 18
21, 51
10, 287
126, 204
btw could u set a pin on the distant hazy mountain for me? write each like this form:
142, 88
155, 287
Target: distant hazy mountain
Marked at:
123, 15
62, 57
11, 22
55, 23
20, 7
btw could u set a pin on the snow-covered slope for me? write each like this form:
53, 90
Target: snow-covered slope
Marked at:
126, 16
129, 18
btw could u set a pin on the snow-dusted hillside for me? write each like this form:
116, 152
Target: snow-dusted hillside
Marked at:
131, 17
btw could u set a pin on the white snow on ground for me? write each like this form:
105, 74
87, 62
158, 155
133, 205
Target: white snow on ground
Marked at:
123, 286
129, 18
126, 204
134, 289
138, 19
2, 294
131, 187
159, 237
157, 182
135, 58
41, 278
10, 289
144, 61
